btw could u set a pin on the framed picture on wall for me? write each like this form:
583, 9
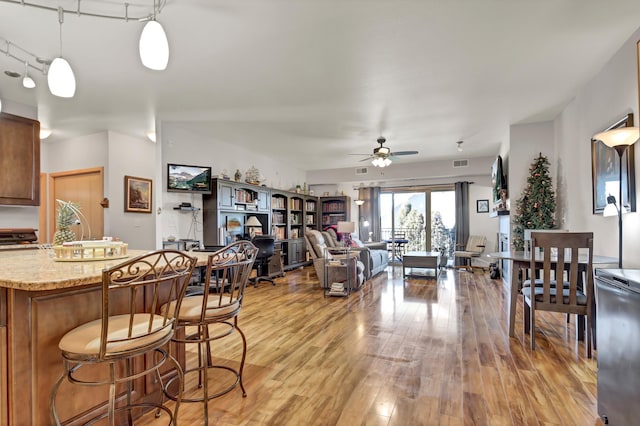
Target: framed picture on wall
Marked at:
482, 206
137, 194
605, 171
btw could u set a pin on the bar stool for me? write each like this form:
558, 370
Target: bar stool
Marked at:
130, 328
217, 307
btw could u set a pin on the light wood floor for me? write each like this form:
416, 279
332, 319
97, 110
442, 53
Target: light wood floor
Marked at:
400, 352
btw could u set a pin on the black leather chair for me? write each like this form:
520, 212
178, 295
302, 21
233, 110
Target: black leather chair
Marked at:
266, 247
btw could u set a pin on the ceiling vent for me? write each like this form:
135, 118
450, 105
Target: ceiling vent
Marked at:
460, 163
362, 170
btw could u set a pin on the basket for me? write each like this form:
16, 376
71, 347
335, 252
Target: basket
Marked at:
83, 251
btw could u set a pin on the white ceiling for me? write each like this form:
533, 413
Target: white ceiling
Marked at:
313, 81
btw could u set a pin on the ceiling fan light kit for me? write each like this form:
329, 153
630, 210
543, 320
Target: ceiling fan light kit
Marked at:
153, 46
381, 162
382, 155
459, 143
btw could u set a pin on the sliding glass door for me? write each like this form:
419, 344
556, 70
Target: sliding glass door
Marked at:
424, 217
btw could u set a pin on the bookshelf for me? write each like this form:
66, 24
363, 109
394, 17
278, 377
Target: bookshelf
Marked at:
334, 210
279, 216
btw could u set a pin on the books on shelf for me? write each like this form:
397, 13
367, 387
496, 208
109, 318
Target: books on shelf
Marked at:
333, 206
295, 204
279, 233
337, 289
278, 202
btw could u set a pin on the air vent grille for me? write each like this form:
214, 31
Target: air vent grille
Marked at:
362, 170
460, 163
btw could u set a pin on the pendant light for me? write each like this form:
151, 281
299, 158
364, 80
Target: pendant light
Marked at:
60, 77
27, 81
154, 46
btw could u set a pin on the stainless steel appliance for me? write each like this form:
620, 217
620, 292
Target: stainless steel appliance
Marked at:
618, 337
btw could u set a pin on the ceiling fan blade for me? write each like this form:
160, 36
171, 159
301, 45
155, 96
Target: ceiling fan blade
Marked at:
404, 153
366, 159
359, 154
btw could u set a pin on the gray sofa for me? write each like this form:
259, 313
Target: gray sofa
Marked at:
374, 256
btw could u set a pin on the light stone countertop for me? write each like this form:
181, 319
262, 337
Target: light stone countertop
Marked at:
4, 247
34, 270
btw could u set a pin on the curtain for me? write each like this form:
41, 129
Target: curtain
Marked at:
462, 215
369, 211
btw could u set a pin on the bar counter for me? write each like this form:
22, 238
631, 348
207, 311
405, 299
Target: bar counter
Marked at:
40, 300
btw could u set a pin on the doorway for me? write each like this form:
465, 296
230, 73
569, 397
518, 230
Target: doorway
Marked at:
84, 187
404, 212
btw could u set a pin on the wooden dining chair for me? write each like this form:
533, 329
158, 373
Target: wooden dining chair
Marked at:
568, 255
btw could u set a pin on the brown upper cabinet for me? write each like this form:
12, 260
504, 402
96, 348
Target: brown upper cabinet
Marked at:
19, 160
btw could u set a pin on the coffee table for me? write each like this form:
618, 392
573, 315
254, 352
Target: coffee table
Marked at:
422, 260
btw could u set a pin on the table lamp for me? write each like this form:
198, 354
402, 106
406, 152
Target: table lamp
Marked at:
253, 223
619, 139
346, 228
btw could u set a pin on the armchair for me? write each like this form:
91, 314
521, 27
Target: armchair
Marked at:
474, 248
317, 249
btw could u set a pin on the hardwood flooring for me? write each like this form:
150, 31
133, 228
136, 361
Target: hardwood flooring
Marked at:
399, 352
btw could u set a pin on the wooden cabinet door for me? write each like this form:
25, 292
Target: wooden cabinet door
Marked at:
225, 195
19, 160
264, 198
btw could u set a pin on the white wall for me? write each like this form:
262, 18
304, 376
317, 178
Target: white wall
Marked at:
77, 153
605, 99
405, 174
182, 146
129, 156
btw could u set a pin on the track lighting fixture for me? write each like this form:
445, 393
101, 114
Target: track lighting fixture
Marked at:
62, 81
153, 45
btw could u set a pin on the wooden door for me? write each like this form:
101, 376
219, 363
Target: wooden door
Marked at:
85, 187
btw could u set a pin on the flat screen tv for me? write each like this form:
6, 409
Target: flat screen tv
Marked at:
183, 178
498, 180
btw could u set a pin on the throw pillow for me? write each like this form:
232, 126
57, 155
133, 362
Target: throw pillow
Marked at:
356, 243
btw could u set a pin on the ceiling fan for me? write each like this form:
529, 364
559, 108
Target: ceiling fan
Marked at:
382, 155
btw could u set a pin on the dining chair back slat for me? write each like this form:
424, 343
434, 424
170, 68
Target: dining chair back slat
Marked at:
569, 256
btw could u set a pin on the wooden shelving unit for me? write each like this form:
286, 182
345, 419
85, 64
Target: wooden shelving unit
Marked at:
334, 210
284, 214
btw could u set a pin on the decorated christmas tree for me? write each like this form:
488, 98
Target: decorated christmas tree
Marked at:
536, 208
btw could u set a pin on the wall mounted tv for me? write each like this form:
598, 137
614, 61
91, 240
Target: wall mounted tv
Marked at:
183, 178
498, 180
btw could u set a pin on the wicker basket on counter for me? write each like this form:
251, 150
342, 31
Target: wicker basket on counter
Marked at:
82, 251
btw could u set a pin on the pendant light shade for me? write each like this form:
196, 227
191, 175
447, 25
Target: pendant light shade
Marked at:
61, 80
154, 47
27, 82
